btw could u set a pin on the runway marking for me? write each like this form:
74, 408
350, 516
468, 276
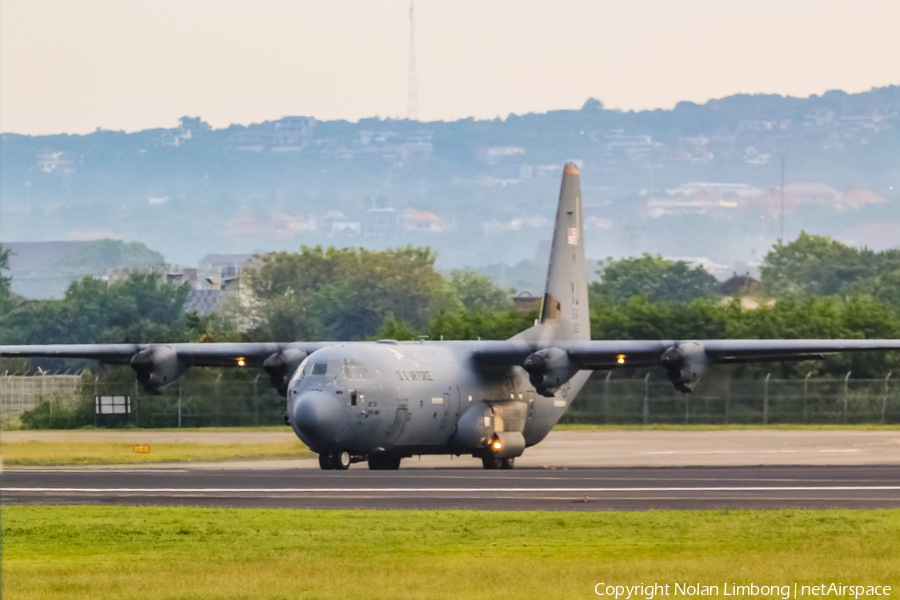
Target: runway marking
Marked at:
782, 451
443, 490
95, 471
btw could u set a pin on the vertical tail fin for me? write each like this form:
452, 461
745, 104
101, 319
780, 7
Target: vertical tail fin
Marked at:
564, 310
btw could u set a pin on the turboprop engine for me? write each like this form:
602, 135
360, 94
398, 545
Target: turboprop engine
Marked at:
480, 430
548, 369
474, 428
281, 366
685, 364
157, 366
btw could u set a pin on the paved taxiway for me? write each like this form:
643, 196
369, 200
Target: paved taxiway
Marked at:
601, 448
457, 488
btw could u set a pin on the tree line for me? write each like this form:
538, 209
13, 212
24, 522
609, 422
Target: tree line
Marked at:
813, 287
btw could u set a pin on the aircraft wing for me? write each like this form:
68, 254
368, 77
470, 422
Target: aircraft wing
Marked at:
159, 364
737, 351
114, 354
192, 354
593, 355
553, 363
606, 354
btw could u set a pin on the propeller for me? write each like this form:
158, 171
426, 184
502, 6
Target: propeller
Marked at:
280, 367
142, 363
684, 363
672, 360
536, 366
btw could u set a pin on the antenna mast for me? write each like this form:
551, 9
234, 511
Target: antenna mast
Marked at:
781, 237
412, 105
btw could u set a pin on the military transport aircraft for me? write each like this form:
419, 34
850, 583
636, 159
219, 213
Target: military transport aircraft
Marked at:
382, 401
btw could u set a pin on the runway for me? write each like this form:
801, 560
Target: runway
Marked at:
582, 489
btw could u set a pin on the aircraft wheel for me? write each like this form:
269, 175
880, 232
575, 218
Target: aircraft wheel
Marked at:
491, 462
325, 462
384, 463
507, 463
341, 460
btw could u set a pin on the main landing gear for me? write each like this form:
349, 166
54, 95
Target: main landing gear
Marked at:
492, 462
341, 460
384, 463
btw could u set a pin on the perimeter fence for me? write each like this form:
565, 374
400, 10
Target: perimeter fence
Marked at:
228, 401
199, 402
767, 401
19, 394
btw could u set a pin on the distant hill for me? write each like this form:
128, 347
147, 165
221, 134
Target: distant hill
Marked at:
42, 270
697, 181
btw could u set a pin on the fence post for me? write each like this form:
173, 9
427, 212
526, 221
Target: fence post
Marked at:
884, 400
806, 399
727, 397
96, 402
766, 400
606, 396
846, 391
179, 406
44, 397
646, 411
219, 400
134, 404
255, 401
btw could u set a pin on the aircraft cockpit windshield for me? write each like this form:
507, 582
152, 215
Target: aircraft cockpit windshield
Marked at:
353, 369
334, 368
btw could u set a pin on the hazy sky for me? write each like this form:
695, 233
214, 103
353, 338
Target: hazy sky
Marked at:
75, 65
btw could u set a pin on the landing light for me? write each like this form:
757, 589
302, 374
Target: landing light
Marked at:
620, 359
497, 445
241, 362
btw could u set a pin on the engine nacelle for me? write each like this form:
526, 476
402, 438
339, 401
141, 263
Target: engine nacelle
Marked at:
548, 369
474, 428
281, 366
476, 431
685, 364
507, 444
157, 366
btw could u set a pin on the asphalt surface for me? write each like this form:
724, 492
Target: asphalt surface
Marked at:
584, 489
650, 448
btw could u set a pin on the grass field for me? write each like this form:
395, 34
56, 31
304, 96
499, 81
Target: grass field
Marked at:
145, 553
49, 453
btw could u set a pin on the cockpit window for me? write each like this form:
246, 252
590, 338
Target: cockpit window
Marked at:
347, 368
352, 369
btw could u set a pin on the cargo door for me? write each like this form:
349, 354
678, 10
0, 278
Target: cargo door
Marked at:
397, 426
446, 415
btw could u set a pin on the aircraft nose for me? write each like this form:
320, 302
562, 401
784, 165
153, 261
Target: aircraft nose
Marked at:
317, 420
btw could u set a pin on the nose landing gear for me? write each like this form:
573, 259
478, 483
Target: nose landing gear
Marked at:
325, 462
335, 461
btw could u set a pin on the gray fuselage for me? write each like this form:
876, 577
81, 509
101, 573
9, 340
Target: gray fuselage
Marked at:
410, 398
